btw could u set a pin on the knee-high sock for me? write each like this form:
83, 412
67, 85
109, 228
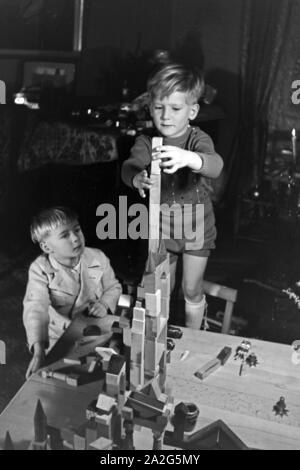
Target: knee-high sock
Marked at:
194, 313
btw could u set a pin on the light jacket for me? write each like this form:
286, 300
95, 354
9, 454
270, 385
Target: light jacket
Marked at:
52, 296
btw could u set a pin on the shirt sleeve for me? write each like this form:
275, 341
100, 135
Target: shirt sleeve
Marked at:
36, 306
140, 158
111, 287
212, 162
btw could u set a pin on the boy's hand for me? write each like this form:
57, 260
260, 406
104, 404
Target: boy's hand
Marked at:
97, 309
141, 181
172, 158
37, 360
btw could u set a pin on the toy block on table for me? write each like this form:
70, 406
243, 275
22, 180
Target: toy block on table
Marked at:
214, 364
59, 376
140, 292
115, 376
138, 313
105, 403
47, 373
152, 303
8, 443
101, 444
127, 413
74, 380
91, 432
79, 442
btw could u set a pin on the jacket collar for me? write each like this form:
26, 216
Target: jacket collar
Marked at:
88, 258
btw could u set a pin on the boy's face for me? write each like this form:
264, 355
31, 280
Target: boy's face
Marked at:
171, 114
66, 243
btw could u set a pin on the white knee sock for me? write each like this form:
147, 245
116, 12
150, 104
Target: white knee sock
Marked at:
194, 313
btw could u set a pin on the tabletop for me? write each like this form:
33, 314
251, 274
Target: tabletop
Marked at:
243, 402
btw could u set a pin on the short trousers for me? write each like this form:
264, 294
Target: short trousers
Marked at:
206, 225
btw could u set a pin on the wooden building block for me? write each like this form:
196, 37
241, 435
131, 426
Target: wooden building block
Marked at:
101, 444
127, 413
91, 433
105, 403
153, 303
73, 380
127, 337
139, 313
140, 292
79, 442
59, 376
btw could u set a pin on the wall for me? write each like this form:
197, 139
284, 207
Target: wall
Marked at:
120, 32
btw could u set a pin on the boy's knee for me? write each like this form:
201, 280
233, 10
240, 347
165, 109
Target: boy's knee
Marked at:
193, 294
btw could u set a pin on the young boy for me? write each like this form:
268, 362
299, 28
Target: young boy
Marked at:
66, 279
187, 159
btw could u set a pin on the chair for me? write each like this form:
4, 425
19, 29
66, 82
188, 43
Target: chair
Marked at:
227, 293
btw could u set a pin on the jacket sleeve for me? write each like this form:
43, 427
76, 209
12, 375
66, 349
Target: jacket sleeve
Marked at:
140, 158
212, 161
111, 287
36, 306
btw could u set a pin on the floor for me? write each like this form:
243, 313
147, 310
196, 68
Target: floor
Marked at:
259, 266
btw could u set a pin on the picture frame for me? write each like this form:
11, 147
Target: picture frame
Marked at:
41, 28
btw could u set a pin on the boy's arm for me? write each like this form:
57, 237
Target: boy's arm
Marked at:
36, 309
140, 158
111, 288
206, 160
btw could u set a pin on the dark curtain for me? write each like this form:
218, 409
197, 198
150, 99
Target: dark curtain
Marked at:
264, 30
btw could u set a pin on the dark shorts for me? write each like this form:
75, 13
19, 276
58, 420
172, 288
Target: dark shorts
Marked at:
208, 229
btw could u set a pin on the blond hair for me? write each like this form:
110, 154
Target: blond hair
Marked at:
50, 219
176, 77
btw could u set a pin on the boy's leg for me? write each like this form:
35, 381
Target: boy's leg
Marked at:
173, 266
192, 285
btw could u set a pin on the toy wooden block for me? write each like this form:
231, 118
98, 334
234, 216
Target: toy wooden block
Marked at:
138, 326
151, 389
105, 403
67, 445
101, 444
8, 443
152, 302
136, 376
213, 364
46, 373
127, 413
140, 292
59, 376
79, 442
127, 337
112, 389
74, 380
165, 306
67, 434
91, 433
139, 313
165, 285
154, 200
72, 360
148, 400
137, 348
92, 366
155, 326
36, 445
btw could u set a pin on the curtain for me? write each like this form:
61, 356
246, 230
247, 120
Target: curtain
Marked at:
264, 30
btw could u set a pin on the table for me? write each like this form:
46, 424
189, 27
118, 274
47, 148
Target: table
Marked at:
245, 403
